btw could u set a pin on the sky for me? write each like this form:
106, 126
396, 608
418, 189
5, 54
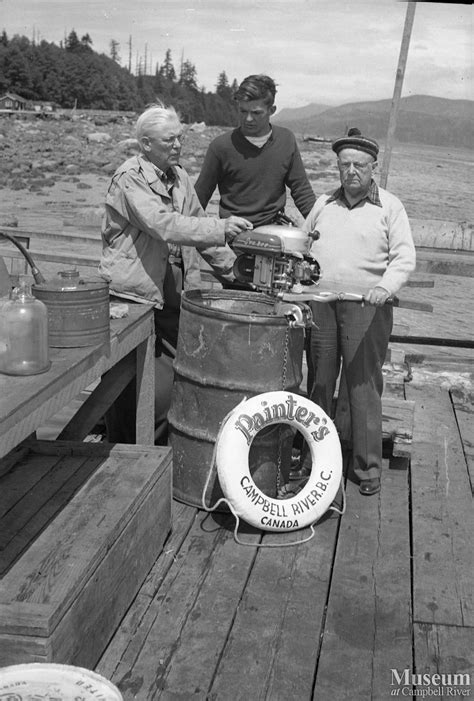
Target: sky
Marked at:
329, 52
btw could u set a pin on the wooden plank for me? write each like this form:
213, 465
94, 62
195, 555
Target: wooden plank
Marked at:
64, 598
397, 448
22, 501
446, 650
97, 403
205, 582
13, 489
101, 604
79, 236
15, 648
54, 576
368, 627
430, 261
90, 621
67, 259
394, 390
23, 394
57, 447
5, 282
441, 512
132, 631
201, 639
275, 636
463, 404
31, 514
451, 318
397, 417
436, 233
28, 402
145, 391
54, 425
397, 423
448, 367
8, 461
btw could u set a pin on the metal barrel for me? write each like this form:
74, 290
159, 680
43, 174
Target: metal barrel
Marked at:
77, 317
231, 346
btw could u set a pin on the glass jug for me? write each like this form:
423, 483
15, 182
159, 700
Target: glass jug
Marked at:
24, 346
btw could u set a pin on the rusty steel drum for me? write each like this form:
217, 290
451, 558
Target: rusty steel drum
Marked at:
231, 346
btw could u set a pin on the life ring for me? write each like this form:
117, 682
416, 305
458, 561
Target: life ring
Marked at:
232, 459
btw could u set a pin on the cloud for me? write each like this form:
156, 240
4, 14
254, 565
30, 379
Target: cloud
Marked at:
329, 51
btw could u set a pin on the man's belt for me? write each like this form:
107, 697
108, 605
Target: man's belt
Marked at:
175, 260
175, 255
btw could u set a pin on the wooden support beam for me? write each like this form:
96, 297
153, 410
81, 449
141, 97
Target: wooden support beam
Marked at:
95, 406
433, 341
410, 15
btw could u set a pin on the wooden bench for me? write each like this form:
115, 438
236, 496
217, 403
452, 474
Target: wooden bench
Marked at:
81, 525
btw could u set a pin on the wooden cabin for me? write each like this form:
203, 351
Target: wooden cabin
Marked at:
12, 101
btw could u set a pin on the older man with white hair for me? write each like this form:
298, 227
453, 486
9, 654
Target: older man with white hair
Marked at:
152, 226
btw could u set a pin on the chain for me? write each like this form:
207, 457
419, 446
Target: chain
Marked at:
285, 357
283, 386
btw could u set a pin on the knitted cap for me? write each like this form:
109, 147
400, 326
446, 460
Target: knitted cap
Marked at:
354, 139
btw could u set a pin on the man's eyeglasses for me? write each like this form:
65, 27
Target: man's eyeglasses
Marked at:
346, 165
171, 140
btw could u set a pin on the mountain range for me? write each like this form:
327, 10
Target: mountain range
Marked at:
422, 119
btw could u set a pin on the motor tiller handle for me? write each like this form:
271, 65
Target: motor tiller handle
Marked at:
351, 297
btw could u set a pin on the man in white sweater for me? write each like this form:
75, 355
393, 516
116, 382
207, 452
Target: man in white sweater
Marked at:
365, 245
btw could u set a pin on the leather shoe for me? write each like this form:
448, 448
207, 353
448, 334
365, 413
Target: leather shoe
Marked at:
370, 486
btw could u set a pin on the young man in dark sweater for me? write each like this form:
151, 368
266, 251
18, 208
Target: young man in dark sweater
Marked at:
254, 164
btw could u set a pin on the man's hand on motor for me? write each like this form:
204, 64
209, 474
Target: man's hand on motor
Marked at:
377, 296
234, 225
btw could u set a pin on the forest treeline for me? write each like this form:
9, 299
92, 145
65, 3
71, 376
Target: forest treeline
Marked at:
74, 75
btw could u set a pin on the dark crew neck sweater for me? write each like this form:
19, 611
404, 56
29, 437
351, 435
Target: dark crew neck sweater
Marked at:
252, 181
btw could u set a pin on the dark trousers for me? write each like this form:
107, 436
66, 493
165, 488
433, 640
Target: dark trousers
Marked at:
358, 336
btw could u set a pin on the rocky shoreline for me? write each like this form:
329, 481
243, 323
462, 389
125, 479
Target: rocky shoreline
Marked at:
64, 162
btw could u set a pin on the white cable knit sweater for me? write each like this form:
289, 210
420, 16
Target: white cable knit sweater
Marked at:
364, 246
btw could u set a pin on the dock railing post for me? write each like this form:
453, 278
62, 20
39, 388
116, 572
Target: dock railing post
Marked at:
402, 60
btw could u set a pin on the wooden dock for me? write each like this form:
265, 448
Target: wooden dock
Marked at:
377, 598
387, 587
379, 593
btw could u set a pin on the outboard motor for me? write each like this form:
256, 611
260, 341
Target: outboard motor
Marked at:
275, 259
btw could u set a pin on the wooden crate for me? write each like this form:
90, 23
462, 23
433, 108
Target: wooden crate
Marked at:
81, 525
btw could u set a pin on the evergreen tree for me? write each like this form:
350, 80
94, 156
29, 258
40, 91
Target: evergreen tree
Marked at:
222, 87
187, 76
145, 88
159, 83
16, 70
167, 69
114, 51
72, 42
72, 74
86, 42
